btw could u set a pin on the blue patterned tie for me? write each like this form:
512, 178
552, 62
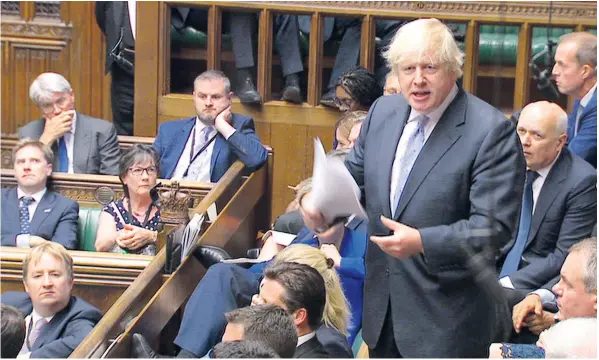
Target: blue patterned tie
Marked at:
24, 214
413, 147
63, 156
512, 261
196, 166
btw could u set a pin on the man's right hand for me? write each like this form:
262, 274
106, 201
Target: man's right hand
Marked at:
312, 216
531, 303
57, 126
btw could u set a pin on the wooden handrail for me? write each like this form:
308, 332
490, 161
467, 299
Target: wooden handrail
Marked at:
145, 286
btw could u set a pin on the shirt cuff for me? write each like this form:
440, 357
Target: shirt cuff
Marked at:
22, 240
547, 297
228, 133
27, 355
506, 282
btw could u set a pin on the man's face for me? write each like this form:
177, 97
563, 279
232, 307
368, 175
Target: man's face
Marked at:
233, 332
61, 102
344, 100
572, 299
538, 135
48, 285
31, 168
272, 292
210, 98
391, 85
568, 74
425, 83
353, 134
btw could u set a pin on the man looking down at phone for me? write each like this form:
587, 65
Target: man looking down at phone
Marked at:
203, 147
81, 144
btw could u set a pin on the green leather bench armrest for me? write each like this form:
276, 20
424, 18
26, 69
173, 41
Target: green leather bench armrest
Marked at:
89, 218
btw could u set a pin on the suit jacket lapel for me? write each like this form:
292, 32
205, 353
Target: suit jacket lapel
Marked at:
390, 139
81, 145
52, 326
549, 191
572, 121
177, 144
13, 211
219, 144
44, 208
445, 134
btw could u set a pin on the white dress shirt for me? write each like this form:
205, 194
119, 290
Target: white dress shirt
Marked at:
434, 117
22, 240
304, 338
132, 12
204, 157
25, 352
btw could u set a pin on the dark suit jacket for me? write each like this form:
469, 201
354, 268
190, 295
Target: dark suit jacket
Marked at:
64, 332
463, 195
565, 213
243, 145
55, 219
311, 349
334, 343
109, 16
584, 144
95, 149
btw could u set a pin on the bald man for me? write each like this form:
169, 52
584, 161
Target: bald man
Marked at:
559, 201
391, 84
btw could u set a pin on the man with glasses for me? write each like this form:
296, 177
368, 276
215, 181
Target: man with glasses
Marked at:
32, 215
81, 144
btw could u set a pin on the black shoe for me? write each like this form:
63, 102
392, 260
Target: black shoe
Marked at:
292, 91
246, 91
328, 99
141, 349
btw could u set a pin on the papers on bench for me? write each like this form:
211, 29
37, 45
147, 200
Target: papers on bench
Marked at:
334, 191
192, 232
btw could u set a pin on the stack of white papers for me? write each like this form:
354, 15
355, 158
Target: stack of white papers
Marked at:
191, 234
334, 191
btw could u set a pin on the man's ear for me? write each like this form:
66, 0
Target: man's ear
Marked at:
27, 288
300, 317
587, 71
48, 169
562, 140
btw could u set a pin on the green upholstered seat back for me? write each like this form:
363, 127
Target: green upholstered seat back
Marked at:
89, 219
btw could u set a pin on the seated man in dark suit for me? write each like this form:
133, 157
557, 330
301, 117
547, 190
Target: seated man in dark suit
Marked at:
243, 349
575, 73
298, 289
56, 321
13, 331
203, 147
559, 202
81, 144
574, 296
31, 214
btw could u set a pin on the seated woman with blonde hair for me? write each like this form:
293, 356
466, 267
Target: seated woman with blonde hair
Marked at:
129, 225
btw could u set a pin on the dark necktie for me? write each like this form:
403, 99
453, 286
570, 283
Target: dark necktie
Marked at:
512, 261
24, 214
63, 155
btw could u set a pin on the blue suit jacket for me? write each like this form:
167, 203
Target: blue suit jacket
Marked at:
243, 145
55, 219
64, 332
351, 272
584, 144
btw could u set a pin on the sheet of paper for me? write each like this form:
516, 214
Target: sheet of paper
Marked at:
334, 191
279, 237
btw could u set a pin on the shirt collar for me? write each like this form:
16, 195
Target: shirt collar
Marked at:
585, 99
544, 171
37, 196
200, 125
436, 114
305, 338
36, 317
74, 124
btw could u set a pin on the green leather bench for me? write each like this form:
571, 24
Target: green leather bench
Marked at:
498, 44
89, 218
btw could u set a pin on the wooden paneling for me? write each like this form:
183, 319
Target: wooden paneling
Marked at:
70, 44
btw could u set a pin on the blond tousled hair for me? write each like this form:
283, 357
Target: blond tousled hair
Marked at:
336, 311
423, 38
45, 149
50, 248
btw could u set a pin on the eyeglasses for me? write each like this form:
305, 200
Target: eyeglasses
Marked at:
61, 103
344, 104
139, 171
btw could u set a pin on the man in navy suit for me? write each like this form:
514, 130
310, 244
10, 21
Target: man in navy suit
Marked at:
203, 147
442, 174
564, 200
31, 214
575, 73
56, 321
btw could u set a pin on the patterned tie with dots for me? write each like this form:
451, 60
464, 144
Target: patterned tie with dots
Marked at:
24, 214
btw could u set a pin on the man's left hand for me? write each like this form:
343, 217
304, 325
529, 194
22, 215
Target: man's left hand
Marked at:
537, 323
404, 242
